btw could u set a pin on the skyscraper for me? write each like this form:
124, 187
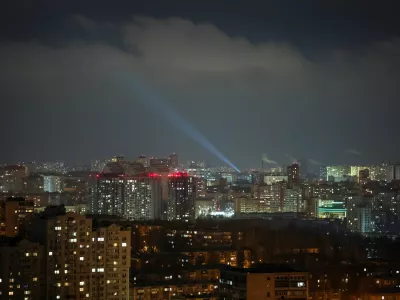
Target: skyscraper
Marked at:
136, 197
107, 195
142, 193
83, 259
181, 196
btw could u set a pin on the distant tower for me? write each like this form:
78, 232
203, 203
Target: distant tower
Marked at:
174, 160
293, 173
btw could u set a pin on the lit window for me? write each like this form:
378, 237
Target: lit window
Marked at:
66, 271
50, 253
27, 254
87, 295
57, 272
123, 244
33, 279
58, 284
82, 283
81, 258
100, 270
115, 244
94, 270
10, 293
81, 289
100, 239
58, 297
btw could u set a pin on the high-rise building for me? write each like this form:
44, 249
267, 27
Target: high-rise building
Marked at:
337, 173
21, 269
84, 259
14, 215
201, 188
272, 194
143, 196
322, 173
292, 201
52, 183
293, 173
363, 176
107, 195
174, 160
33, 184
181, 196
131, 197
355, 170
360, 219
378, 172
12, 178
393, 172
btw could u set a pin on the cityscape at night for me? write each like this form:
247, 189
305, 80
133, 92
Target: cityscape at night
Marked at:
199, 150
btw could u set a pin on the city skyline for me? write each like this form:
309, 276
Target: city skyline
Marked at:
249, 78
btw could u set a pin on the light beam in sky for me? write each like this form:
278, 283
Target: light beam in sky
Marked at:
150, 98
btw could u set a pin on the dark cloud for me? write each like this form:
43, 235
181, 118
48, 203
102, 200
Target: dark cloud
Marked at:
245, 97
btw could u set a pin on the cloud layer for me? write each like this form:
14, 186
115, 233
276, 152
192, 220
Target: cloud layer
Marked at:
244, 96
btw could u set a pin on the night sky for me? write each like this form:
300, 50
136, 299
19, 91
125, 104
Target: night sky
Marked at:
316, 80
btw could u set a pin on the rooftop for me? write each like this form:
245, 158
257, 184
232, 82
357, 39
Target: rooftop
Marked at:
265, 268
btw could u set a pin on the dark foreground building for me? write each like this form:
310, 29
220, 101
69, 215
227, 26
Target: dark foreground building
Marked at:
263, 282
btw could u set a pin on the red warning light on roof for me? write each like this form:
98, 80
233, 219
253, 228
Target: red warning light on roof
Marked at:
152, 175
178, 174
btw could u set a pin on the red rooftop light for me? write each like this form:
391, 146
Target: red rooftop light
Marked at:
178, 174
153, 175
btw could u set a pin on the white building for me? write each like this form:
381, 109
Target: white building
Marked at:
52, 183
